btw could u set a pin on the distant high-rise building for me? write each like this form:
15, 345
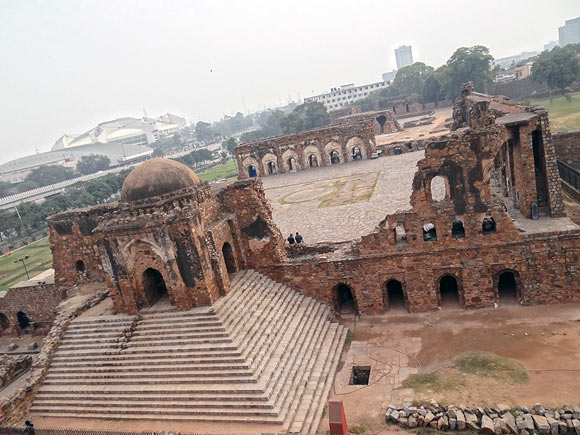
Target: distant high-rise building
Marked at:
550, 45
569, 33
404, 55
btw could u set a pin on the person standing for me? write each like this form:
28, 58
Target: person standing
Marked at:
298, 238
290, 239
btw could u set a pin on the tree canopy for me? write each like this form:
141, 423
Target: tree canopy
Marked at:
94, 163
467, 64
411, 78
46, 175
305, 117
558, 68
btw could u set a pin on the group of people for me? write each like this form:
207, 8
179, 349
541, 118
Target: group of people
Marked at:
294, 238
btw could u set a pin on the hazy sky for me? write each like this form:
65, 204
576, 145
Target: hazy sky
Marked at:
68, 64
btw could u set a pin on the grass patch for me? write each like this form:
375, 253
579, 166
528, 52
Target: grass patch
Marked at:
488, 365
227, 172
40, 259
564, 114
434, 381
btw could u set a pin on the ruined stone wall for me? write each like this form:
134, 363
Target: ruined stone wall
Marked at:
547, 268
567, 146
261, 241
38, 302
384, 121
293, 152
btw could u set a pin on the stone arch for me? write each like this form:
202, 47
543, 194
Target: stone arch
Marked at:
394, 295
449, 291
438, 188
312, 156
344, 299
333, 150
290, 160
355, 146
229, 258
131, 247
507, 287
248, 163
270, 164
154, 286
23, 320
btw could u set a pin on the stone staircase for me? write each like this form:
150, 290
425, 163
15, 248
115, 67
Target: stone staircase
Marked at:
263, 354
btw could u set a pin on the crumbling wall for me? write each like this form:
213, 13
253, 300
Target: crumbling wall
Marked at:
384, 121
567, 146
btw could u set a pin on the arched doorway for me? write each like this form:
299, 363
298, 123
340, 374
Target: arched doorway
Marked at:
381, 120
153, 286
507, 288
356, 153
271, 166
334, 157
449, 291
291, 164
23, 320
80, 266
229, 258
252, 171
395, 296
345, 303
313, 161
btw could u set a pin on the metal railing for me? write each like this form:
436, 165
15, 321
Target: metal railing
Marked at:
569, 175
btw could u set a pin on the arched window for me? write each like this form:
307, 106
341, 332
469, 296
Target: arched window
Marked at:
345, 303
153, 286
488, 225
291, 164
271, 168
457, 230
438, 188
252, 171
356, 153
395, 295
80, 266
400, 235
229, 257
429, 233
334, 157
449, 291
312, 161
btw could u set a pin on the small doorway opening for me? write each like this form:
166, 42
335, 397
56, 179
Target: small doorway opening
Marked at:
80, 266
154, 286
507, 288
540, 168
449, 291
313, 161
407, 107
395, 296
457, 230
381, 120
229, 258
23, 320
291, 164
488, 225
345, 302
334, 157
271, 168
252, 171
4, 323
360, 375
356, 153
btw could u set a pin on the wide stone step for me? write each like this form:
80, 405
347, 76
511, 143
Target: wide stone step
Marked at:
164, 380
194, 390
149, 370
152, 364
164, 417
155, 350
118, 403
162, 358
235, 400
194, 376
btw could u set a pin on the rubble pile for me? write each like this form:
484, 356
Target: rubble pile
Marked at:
498, 420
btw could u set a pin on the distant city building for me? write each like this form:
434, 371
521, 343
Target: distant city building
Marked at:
569, 33
131, 131
550, 45
389, 76
512, 61
404, 56
17, 170
345, 95
517, 73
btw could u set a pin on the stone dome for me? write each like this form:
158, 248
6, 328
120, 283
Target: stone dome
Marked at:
157, 177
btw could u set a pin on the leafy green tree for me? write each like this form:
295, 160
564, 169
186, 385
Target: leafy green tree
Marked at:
46, 175
92, 164
469, 64
305, 117
411, 78
204, 132
230, 144
558, 68
431, 91
270, 122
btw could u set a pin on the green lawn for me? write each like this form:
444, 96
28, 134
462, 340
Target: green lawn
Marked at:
564, 114
40, 259
225, 172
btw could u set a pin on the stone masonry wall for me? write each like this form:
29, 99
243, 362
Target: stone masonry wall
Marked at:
567, 146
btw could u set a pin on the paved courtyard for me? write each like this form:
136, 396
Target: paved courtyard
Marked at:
341, 202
